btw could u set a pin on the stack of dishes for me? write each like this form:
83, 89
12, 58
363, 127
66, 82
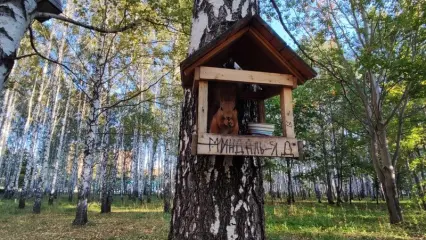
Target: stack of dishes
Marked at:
261, 129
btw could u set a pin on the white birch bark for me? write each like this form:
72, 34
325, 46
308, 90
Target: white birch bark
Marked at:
77, 140
42, 170
90, 146
215, 199
24, 138
5, 131
15, 17
60, 150
134, 168
141, 164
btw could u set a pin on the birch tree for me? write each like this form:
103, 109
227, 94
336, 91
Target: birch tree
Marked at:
215, 199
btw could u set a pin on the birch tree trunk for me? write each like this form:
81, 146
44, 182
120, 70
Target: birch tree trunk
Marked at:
106, 205
90, 142
167, 187
15, 17
105, 159
59, 153
31, 162
290, 198
216, 198
134, 169
7, 124
24, 138
42, 173
140, 168
89, 148
151, 169
77, 140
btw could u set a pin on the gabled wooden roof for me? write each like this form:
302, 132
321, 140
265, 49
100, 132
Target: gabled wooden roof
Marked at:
254, 46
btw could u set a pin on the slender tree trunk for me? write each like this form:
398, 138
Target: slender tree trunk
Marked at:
140, 166
167, 187
151, 169
290, 197
104, 161
60, 151
330, 197
43, 171
77, 140
134, 169
317, 190
113, 176
104, 174
216, 197
6, 127
90, 142
89, 148
24, 138
123, 170
29, 172
386, 174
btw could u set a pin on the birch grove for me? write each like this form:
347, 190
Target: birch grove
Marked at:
93, 111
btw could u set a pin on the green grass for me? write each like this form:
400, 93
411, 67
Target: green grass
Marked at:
361, 220
304, 220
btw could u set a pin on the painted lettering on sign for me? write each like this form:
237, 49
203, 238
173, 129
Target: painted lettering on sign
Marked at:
232, 146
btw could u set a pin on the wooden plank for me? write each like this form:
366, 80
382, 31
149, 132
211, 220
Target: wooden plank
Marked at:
232, 75
261, 111
203, 97
194, 144
232, 145
196, 79
214, 51
286, 104
273, 52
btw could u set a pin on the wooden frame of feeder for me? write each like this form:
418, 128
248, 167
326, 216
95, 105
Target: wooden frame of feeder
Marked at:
254, 46
246, 145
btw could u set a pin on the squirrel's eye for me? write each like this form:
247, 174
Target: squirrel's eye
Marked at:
221, 108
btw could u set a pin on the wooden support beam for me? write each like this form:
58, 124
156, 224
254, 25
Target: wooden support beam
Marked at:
241, 145
286, 104
232, 75
203, 91
261, 111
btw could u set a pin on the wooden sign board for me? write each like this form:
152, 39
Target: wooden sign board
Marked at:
242, 145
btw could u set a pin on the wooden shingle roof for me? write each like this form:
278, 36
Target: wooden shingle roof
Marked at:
254, 46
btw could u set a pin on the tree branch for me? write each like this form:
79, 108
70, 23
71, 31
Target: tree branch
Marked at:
54, 61
399, 135
135, 94
100, 29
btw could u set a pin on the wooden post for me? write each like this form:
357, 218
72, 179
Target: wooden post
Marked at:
286, 104
203, 90
261, 111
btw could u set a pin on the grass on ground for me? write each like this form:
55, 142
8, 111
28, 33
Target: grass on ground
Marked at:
129, 220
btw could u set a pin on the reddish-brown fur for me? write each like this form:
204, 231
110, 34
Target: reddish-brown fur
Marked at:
225, 121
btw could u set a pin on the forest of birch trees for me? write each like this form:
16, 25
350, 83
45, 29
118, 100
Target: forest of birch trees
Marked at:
91, 110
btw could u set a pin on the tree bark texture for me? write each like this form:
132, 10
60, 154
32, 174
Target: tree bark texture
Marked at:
89, 148
15, 17
216, 197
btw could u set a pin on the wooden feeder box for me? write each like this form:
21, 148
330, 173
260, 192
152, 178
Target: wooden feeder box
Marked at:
48, 6
267, 61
